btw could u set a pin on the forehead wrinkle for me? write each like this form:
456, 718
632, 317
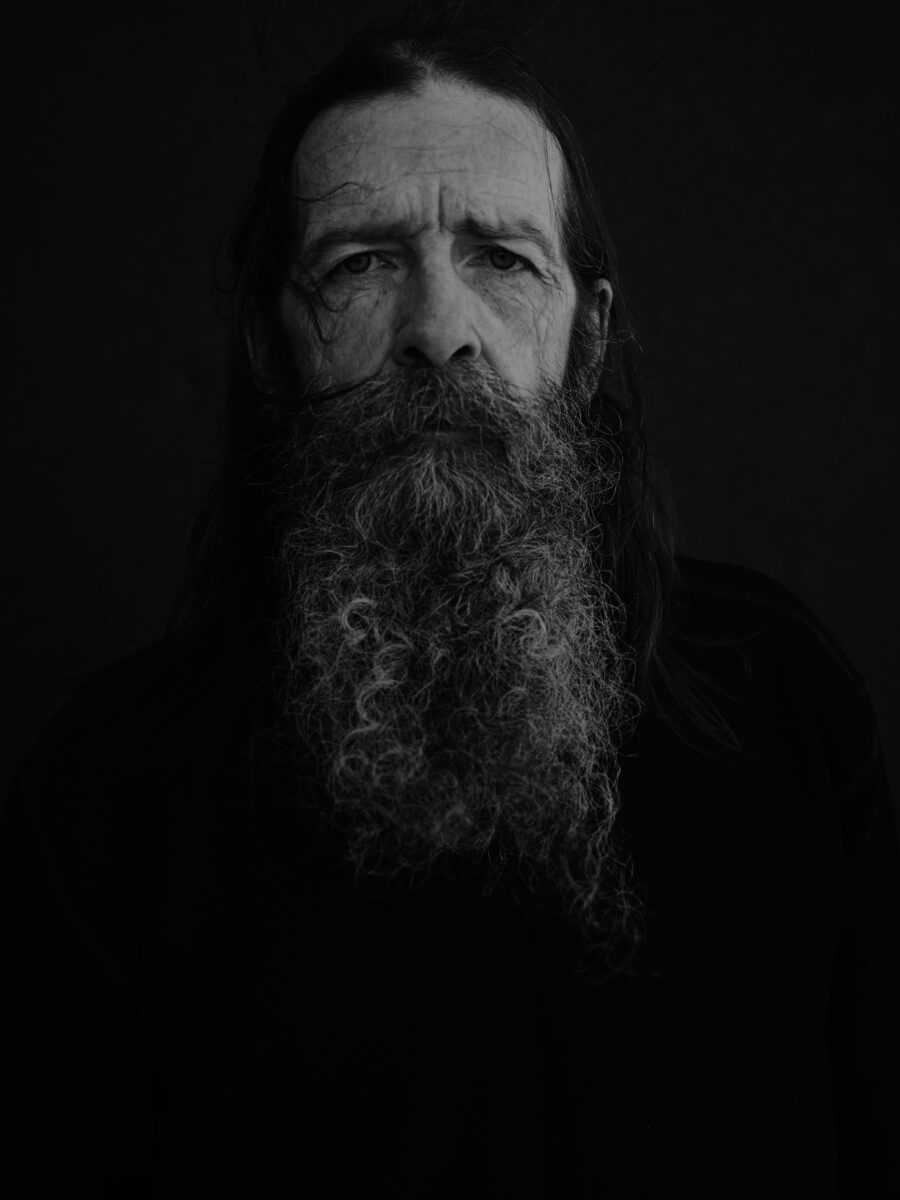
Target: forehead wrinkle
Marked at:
341, 197
368, 116
407, 200
491, 220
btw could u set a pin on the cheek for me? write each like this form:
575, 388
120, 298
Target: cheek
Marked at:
550, 329
360, 330
352, 336
517, 324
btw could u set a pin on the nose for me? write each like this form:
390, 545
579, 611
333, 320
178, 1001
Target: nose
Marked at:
437, 322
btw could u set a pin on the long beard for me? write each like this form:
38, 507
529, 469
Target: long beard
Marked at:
449, 647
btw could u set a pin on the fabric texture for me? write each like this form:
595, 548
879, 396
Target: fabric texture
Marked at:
200, 1000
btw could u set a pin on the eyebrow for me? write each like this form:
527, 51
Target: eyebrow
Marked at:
518, 229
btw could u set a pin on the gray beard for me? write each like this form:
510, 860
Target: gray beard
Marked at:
449, 649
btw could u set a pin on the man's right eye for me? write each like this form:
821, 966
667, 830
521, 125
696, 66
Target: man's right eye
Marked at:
347, 263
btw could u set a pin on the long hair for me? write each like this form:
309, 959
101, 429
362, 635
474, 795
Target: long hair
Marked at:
227, 584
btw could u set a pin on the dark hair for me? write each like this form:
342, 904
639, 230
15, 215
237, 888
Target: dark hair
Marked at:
230, 547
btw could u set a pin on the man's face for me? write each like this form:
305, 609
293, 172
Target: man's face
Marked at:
436, 238
450, 653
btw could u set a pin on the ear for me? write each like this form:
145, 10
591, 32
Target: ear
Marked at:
597, 326
263, 355
603, 298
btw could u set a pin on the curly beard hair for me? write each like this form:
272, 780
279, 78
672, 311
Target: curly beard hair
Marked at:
449, 652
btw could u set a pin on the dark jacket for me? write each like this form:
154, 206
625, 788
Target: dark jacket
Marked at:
200, 1001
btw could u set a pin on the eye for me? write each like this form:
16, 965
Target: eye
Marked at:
344, 265
508, 264
512, 260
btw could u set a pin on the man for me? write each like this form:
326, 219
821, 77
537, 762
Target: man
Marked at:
457, 839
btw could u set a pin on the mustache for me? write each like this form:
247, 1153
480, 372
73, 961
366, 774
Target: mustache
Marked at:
381, 410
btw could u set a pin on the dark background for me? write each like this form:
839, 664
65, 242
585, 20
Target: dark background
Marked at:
745, 155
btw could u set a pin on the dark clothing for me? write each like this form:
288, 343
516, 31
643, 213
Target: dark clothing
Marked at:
200, 1001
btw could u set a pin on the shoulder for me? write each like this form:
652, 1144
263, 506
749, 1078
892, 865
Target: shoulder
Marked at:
120, 718
749, 606
101, 779
800, 681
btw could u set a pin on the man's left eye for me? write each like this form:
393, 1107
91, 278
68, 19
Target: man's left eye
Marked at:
513, 260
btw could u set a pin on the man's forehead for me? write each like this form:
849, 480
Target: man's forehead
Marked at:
451, 148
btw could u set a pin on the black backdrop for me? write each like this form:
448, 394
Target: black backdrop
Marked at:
745, 156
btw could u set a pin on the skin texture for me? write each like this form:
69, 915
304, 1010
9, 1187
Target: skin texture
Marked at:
448, 649
426, 163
